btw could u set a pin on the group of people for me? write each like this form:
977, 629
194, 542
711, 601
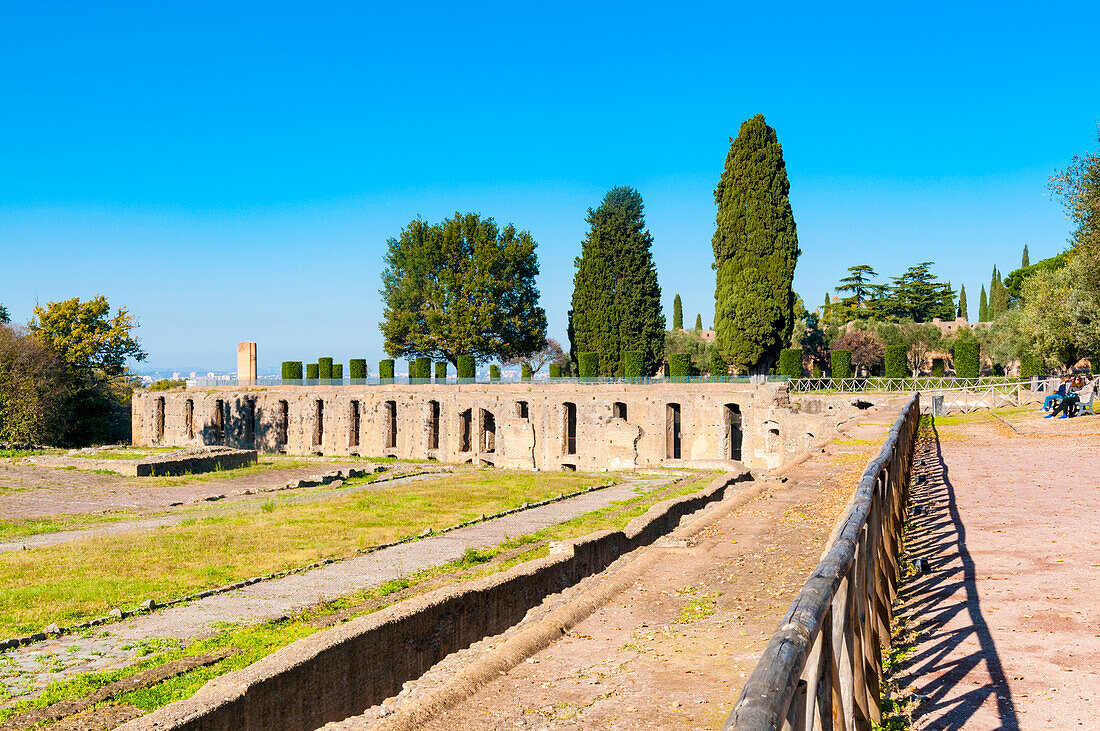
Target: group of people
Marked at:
1071, 392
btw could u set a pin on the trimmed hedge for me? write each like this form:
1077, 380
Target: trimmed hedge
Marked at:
525, 372
494, 372
357, 368
292, 370
338, 371
423, 367
897, 361
790, 362
841, 363
679, 365
385, 369
441, 370
466, 366
311, 372
938, 369
324, 368
555, 370
718, 366
633, 361
967, 360
1031, 366
588, 364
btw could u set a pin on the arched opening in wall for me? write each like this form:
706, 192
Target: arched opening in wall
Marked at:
353, 424
158, 420
465, 426
433, 425
521, 410
618, 410
218, 427
672, 431
734, 431
283, 433
389, 425
772, 444
570, 428
318, 422
250, 422
189, 417
488, 431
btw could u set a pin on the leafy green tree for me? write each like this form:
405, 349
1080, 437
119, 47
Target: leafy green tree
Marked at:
461, 287
699, 321
755, 250
1015, 279
962, 303
998, 296
86, 337
677, 314
616, 296
947, 312
4, 316
35, 400
917, 295
1025, 261
983, 307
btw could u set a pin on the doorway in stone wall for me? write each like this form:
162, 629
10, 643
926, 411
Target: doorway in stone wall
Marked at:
433, 425
734, 431
488, 432
570, 428
465, 426
353, 424
389, 425
672, 431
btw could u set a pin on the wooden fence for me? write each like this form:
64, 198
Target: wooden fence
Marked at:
823, 666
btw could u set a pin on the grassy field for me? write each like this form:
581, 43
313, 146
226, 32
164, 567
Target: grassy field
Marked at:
76, 581
256, 641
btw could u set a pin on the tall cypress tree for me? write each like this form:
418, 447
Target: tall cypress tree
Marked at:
699, 321
962, 303
616, 297
983, 307
755, 250
1026, 260
677, 314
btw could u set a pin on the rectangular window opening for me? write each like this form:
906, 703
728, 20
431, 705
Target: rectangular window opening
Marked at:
570, 428
159, 425
318, 422
734, 431
465, 424
618, 410
284, 423
219, 421
433, 425
353, 424
672, 431
189, 418
389, 425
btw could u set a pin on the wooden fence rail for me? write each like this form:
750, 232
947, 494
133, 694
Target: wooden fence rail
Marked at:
823, 666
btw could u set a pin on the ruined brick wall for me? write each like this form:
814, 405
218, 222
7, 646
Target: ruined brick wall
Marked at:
538, 425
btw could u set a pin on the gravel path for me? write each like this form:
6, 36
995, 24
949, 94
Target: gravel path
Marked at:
31, 667
1007, 622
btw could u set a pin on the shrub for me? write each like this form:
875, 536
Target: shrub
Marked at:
494, 372
718, 366
938, 369
312, 370
588, 364
967, 360
817, 371
385, 369
897, 361
167, 384
357, 368
466, 366
324, 368
632, 363
525, 372
841, 363
1031, 366
423, 367
555, 370
1094, 365
338, 371
679, 365
441, 370
292, 370
790, 362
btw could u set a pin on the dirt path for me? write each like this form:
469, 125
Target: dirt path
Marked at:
32, 666
1007, 621
672, 650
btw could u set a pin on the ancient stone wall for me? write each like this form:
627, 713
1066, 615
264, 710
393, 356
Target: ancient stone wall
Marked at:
538, 425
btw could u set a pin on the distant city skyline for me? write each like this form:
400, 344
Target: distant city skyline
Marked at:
232, 173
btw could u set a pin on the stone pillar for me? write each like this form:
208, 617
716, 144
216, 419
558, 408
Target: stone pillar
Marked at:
246, 362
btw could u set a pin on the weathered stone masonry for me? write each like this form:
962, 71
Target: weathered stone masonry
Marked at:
541, 426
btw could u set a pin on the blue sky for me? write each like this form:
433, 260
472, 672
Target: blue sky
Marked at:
232, 171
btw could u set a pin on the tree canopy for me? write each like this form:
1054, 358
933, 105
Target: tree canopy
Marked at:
616, 297
755, 250
85, 336
677, 314
461, 287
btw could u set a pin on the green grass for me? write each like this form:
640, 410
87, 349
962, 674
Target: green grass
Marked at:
700, 606
72, 582
36, 526
17, 453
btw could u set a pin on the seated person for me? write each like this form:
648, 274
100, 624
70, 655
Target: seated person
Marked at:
1057, 396
1064, 407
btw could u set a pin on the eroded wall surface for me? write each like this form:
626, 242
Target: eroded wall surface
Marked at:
537, 426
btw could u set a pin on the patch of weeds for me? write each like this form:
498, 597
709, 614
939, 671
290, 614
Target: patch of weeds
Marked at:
268, 505
700, 606
17, 453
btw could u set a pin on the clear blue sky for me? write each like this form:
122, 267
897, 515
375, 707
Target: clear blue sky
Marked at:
231, 171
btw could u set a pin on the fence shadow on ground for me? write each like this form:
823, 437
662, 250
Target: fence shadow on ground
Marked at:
943, 609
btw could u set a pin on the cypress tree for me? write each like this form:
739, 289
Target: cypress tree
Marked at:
677, 314
755, 250
699, 321
1026, 260
616, 297
983, 307
962, 303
